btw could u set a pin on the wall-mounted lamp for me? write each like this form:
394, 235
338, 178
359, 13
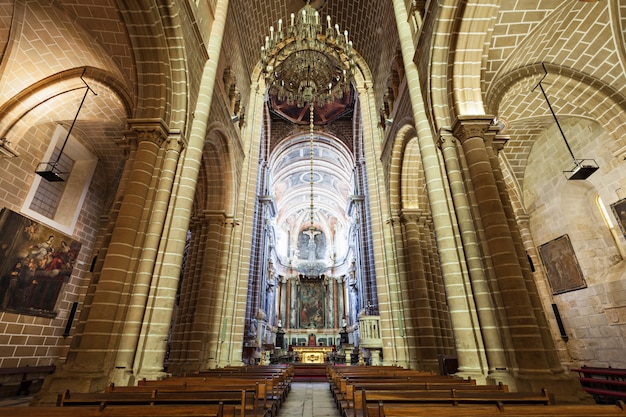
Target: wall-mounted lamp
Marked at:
583, 168
50, 171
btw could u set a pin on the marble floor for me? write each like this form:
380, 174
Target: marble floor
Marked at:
309, 399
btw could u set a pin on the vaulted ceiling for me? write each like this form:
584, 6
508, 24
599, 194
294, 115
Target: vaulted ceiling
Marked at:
581, 42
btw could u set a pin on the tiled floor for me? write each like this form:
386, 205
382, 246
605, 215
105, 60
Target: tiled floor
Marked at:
309, 399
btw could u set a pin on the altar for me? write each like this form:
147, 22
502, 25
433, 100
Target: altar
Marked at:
312, 354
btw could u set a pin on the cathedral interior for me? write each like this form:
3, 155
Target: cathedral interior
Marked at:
193, 184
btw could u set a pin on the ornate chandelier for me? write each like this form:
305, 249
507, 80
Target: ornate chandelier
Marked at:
307, 64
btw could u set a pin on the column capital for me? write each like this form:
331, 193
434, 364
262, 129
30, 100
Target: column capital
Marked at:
446, 139
466, 127
412, 216
153, 130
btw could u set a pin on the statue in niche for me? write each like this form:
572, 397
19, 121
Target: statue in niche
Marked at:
312, 246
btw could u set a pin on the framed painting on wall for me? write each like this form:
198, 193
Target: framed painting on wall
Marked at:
561, 265
619, 210
311, 304
35, 262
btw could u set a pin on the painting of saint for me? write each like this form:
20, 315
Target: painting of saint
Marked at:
561, 265
311, 301
35, 262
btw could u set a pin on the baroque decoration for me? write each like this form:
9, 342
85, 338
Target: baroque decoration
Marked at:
307, 64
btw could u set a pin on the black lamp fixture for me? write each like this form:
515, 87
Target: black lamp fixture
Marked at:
583, 168
51, 171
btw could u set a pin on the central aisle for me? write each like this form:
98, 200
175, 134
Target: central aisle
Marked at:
309, 399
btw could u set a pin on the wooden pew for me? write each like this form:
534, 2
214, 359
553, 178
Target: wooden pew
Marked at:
282, 374
266, 390
367, 402
241, 401
499, 410
213, 410
415, 386
339, 379
342, 385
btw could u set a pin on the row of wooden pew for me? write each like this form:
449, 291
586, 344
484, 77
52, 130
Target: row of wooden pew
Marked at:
253, 391
396, 392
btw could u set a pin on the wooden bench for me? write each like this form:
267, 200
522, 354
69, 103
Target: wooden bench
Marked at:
283, 375
241, 401
447, 387
267, 396
22, 378
368, 402
606, 385
212, 410
499, 410
338, 380
342, 385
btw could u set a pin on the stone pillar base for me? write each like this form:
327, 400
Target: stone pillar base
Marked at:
74, 381
565, 387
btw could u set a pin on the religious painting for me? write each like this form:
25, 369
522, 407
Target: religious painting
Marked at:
35, 262
311, 304
619, 210
561, 265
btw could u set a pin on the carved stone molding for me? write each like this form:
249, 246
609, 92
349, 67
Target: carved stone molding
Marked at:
412, 216
467, 127
153, 130
446, 140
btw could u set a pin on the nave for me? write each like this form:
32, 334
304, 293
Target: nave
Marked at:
348, 391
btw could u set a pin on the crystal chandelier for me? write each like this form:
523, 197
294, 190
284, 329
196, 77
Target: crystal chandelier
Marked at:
305, 63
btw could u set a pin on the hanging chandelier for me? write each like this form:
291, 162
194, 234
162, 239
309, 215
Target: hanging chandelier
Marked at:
305, 63
312, 267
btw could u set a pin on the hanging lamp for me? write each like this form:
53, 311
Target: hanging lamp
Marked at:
51, 170
583, 168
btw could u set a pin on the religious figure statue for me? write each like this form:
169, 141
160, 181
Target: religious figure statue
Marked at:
311, 233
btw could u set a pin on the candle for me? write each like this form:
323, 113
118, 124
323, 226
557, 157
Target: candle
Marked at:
293, 16
317, 18
337, 29
280, 25
328, 20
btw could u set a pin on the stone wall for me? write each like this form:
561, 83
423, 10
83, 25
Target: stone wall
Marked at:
594, 317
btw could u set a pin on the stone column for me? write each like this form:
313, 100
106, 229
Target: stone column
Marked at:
183, 350
382, 286
138, 351
482, 295
422, 325
283, 312
461, 315
498, 143
517, 305
179, 213
117, 297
